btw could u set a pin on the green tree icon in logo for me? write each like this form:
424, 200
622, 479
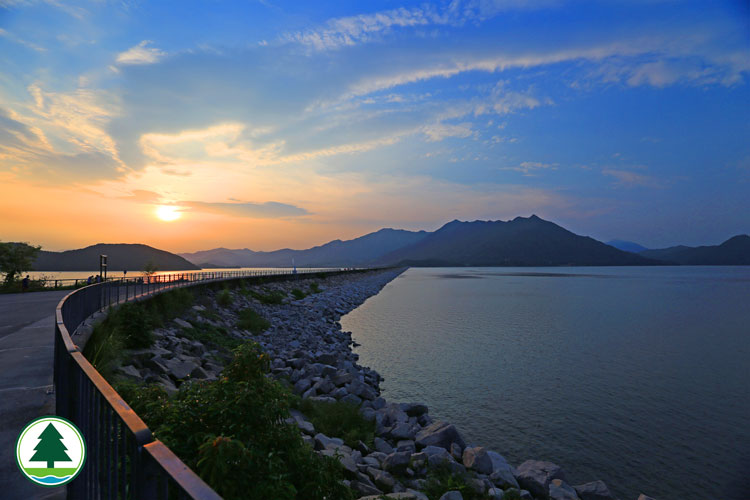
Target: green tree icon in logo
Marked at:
51, 448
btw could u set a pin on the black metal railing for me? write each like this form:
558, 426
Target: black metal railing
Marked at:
124, 460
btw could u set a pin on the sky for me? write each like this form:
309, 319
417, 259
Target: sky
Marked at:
270, 124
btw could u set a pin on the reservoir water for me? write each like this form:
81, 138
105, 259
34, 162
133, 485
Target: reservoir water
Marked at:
639, 376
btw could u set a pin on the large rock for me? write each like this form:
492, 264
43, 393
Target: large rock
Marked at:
397, 462
452, 495
560, 490
440, 434
536, 476
322, 442
644, 497
381, 478
595, 490
476, 458
413, 409
503, 474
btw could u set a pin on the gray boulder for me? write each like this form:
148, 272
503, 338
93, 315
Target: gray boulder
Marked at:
440, 434
381, 478
477, 459
595, 490
503, 474
382, 446
452, 495
397, 462
560, 490
536, 476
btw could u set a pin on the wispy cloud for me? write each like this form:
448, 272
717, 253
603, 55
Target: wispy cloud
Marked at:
15, 39
628, 178
439, 131
140, 54
529, 168
351, 30
267, 210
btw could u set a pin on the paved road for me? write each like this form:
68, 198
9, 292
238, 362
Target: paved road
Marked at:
27, 327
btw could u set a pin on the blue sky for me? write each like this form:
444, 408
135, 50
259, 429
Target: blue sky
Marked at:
279, 124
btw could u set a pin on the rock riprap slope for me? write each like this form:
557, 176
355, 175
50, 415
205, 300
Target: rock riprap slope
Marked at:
310, 352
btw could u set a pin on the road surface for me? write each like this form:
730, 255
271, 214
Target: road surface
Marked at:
27, 327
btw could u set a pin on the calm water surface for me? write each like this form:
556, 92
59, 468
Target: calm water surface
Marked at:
636, 376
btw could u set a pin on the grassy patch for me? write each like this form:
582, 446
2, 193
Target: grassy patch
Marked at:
224, 298
248, 452
211, 335
298, 294
441, 480
339, 419
130, 326
273, 297
251, 320
314, 287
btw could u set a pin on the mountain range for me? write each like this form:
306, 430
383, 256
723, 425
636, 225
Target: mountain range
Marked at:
523, 241
734, 251
120, 257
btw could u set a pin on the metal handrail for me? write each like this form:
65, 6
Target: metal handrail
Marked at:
124, 460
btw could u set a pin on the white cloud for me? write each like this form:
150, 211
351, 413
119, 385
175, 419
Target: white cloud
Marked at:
528, 168
627, 178
439, 131
140, 54
13, 38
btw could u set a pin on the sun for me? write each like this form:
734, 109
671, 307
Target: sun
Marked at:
168, 213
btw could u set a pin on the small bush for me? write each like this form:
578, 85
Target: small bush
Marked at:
441, 480
211, 335
274, 297
314, 287
511, 494
224, 298
298, 294
252, 321
339, 419
130, 326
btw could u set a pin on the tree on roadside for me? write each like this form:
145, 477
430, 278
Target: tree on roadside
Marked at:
16, 259
150, 268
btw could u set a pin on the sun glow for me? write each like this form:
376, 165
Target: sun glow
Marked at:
168, 213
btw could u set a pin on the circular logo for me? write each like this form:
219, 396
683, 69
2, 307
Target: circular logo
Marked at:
50, 451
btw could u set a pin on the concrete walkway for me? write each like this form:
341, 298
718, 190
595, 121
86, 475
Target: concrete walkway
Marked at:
27, 327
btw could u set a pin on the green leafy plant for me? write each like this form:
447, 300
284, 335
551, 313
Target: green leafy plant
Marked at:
511, 494
252, 321
224, 298
233, 433
298, 294
339, 419
314, 287
208, 334
274, 297
441, 480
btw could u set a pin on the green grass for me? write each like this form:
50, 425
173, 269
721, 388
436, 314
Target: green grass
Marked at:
251, 320
441, 480
224, 298
211, 335
130, 326
298, 294
274, 297
314, 287
339, 419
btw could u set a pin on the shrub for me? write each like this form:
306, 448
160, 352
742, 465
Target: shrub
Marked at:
511, 494
274, 297
314, 287
224, 298
130, 326
298, 294
211, 335
232, 432
441, 480
339, 419
251, 320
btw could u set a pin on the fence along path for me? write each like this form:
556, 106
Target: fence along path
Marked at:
124, 461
